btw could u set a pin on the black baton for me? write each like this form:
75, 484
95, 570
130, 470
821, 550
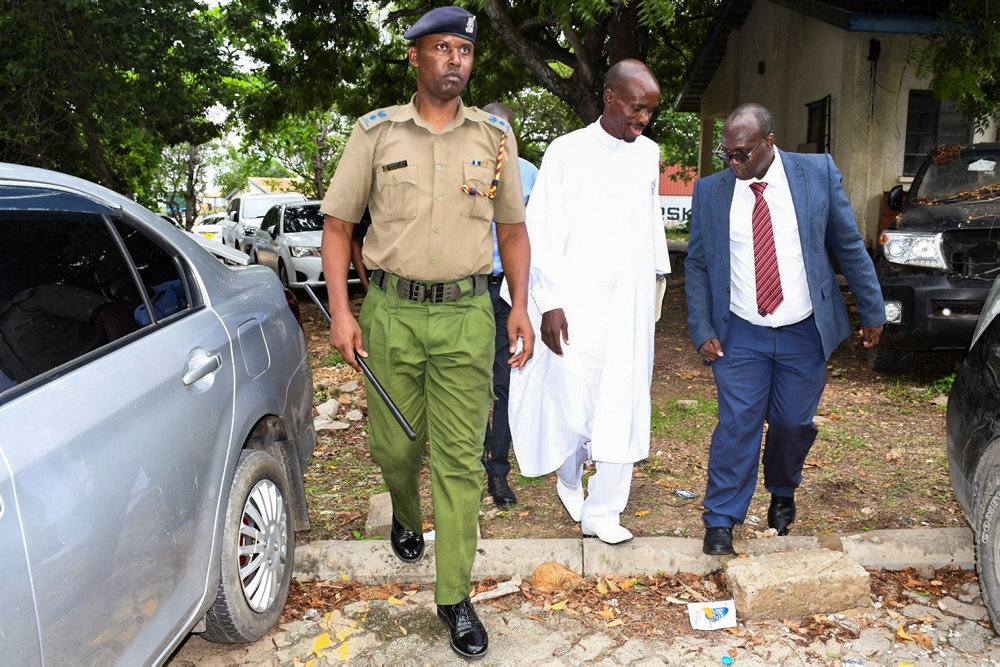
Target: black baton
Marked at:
405, 425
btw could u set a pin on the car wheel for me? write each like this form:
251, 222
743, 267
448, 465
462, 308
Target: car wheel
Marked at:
988, 547
889, 360
258, 545
282, 273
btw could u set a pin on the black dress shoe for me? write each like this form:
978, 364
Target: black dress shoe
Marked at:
718, 541
500, 490
468, 636
781, 513
407, 545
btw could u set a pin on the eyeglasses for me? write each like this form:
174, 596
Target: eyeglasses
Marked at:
736, 158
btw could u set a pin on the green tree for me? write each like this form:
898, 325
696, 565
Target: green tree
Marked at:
318, 54
307, 146
182, 177
98, 88
963, 60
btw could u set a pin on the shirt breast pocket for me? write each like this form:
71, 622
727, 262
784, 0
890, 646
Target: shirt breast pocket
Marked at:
397, 195
480, 178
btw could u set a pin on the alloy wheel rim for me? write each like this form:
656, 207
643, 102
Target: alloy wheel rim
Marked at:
263, 545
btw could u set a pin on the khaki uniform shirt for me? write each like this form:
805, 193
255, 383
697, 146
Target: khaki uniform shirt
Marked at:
424, 227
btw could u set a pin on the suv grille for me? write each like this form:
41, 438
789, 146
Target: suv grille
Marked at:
973, 253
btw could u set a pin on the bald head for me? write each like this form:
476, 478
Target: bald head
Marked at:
501, 111
631, 94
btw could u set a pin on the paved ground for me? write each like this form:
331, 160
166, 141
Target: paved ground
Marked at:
951, 629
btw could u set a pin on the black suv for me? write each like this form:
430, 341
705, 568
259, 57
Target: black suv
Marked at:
937, 260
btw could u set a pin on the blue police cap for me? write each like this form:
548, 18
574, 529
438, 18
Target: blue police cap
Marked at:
444, 21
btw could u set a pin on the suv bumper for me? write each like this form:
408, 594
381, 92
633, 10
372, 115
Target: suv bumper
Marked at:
937, 312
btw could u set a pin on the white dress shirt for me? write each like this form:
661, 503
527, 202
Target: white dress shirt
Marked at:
797, 304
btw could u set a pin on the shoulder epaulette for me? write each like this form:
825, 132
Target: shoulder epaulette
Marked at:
492, 119
373, 118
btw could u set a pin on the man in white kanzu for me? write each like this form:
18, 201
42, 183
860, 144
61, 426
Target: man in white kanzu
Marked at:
597, 248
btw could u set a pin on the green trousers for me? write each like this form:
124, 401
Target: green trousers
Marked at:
435, 360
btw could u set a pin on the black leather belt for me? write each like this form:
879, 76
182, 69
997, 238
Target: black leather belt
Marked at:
496, 278
414, 290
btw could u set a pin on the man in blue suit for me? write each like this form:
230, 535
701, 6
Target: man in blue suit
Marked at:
765, 311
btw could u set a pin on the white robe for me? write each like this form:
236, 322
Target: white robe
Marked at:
597, 247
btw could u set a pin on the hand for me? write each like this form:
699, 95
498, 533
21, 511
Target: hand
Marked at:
710, 350
870, 335
345, 335
555, 330
519, 328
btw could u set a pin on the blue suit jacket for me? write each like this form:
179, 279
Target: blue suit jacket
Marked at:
826, 226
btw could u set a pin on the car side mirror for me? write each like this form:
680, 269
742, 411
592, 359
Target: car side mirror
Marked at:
895, 198
233, 215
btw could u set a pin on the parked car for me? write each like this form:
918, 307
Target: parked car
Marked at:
973, 436
156, 411
938, 258
288, 242
209, 226
245, 213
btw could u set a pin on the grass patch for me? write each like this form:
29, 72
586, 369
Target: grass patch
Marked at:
684, 419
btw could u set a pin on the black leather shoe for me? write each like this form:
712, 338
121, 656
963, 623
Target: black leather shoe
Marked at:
500, 490
718, 541
781, 513
407, 545
468, 636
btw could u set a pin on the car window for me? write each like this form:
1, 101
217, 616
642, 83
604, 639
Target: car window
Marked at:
270, 223
954, 173
303, 219
67, 289
256, 207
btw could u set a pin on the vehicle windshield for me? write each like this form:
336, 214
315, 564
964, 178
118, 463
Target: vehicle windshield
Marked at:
256, 207
303, 219
957, 174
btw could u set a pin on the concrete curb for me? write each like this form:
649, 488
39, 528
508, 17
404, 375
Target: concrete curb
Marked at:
372, 561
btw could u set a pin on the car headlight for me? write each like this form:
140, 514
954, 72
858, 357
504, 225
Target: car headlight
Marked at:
914, 249
304, 251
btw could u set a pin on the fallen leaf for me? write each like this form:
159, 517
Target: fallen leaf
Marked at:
524, 514
403, 630
642, 513
559, 606
395, 600
615, 623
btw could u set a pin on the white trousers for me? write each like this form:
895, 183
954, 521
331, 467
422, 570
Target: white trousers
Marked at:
607, 490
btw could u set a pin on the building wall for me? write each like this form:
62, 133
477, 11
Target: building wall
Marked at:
785, 59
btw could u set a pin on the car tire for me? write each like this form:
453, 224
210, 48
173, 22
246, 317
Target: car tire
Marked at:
889, 360
987, 530
283, 274
258, 545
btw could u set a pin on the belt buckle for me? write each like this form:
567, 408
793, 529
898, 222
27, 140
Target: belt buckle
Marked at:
437, 293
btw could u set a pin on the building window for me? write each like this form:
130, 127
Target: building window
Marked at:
818, 125
930, 123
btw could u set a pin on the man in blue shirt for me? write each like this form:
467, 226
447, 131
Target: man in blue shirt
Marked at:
496, 448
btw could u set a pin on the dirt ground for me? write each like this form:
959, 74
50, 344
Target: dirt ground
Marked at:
879, 460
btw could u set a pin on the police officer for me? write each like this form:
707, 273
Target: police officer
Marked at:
433, 173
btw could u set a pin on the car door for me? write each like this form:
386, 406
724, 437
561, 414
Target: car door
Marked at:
116, 452
18, 627
267, 238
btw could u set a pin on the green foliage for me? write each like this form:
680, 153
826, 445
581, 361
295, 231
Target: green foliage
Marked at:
963, 61
545, 59
99, 89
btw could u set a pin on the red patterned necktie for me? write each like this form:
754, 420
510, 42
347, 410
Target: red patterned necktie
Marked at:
765, 259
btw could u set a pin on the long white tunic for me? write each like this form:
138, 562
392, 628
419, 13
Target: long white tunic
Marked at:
597, 246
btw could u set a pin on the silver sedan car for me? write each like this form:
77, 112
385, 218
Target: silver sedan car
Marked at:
156, 411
